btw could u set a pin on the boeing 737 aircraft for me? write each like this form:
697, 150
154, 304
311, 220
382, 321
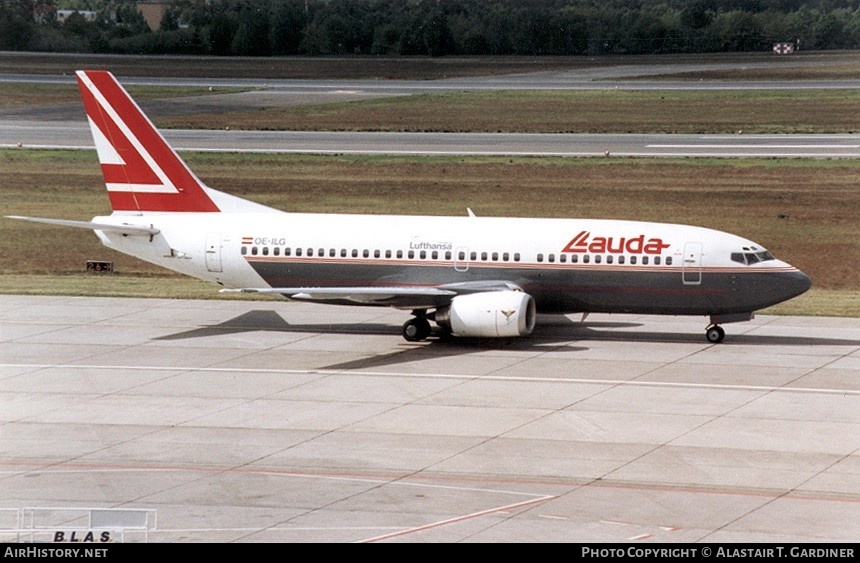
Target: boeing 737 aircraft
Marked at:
471, 276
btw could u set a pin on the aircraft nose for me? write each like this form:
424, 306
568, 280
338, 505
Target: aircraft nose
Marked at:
794, 283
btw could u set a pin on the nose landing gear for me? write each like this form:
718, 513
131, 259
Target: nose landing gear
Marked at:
715, 334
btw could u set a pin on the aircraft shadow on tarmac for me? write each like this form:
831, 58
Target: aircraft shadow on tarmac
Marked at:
556, 332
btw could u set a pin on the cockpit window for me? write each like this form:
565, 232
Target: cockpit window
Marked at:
752, 257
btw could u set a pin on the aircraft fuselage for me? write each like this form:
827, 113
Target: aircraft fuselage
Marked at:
567, 265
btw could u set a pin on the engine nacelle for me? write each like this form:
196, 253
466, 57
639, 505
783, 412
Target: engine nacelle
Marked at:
489, 314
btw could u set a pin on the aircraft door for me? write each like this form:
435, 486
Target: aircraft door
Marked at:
691, 271
461, 258
213, 252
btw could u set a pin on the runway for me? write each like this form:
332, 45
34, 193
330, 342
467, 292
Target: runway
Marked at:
76, 135
271, 421
63, 126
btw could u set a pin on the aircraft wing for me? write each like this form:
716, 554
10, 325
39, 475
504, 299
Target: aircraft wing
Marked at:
406, 297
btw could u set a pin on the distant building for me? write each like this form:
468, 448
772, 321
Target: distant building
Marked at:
153, 12
783, 48
89, 15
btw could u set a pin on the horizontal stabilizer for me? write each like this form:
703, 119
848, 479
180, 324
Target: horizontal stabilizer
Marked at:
133, 230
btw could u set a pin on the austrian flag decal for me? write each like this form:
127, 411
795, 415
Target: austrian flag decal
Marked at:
141, 171
584, 242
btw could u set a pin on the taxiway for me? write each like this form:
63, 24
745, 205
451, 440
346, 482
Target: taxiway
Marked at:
76, 135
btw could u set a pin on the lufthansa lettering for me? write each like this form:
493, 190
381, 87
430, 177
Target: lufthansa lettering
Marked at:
430, 245
584, 242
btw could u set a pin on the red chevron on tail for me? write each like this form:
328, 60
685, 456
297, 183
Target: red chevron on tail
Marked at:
141, 170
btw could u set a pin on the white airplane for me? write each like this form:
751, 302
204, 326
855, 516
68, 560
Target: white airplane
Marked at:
472, 276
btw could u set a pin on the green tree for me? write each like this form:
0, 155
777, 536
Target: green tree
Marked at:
286, 23
17, 27
252, 35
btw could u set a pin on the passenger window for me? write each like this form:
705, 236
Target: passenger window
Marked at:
365, 253
484, 256
277, 251
645, 260
633, 259
598, 259
551, 258
310, 252
388, 254
298, 252
411, 254
562, 258
376, 254
495, 256
540, 257
461, 255
668, 260
332, 253
448, 255
244, 250
609, 259
621, 259
586, 258
343, 253
253, 250
574, 258
423, 254
516, 256
473, 256
288, 251
506, 257
355, 253
399, 254
656, 260
434, 255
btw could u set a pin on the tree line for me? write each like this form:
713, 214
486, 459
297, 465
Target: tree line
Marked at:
431, 27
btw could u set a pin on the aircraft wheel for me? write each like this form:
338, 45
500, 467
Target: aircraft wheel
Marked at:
715, 334
416, 329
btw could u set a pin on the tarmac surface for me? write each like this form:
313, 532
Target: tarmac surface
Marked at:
77, 135
248, 421
64, 125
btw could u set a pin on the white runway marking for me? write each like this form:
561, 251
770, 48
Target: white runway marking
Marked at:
458, 519
585, 381
753, 146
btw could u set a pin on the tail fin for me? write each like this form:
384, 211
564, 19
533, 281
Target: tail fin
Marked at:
141, 170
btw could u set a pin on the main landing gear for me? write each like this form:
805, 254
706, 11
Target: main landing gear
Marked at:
417, 328
715, 334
